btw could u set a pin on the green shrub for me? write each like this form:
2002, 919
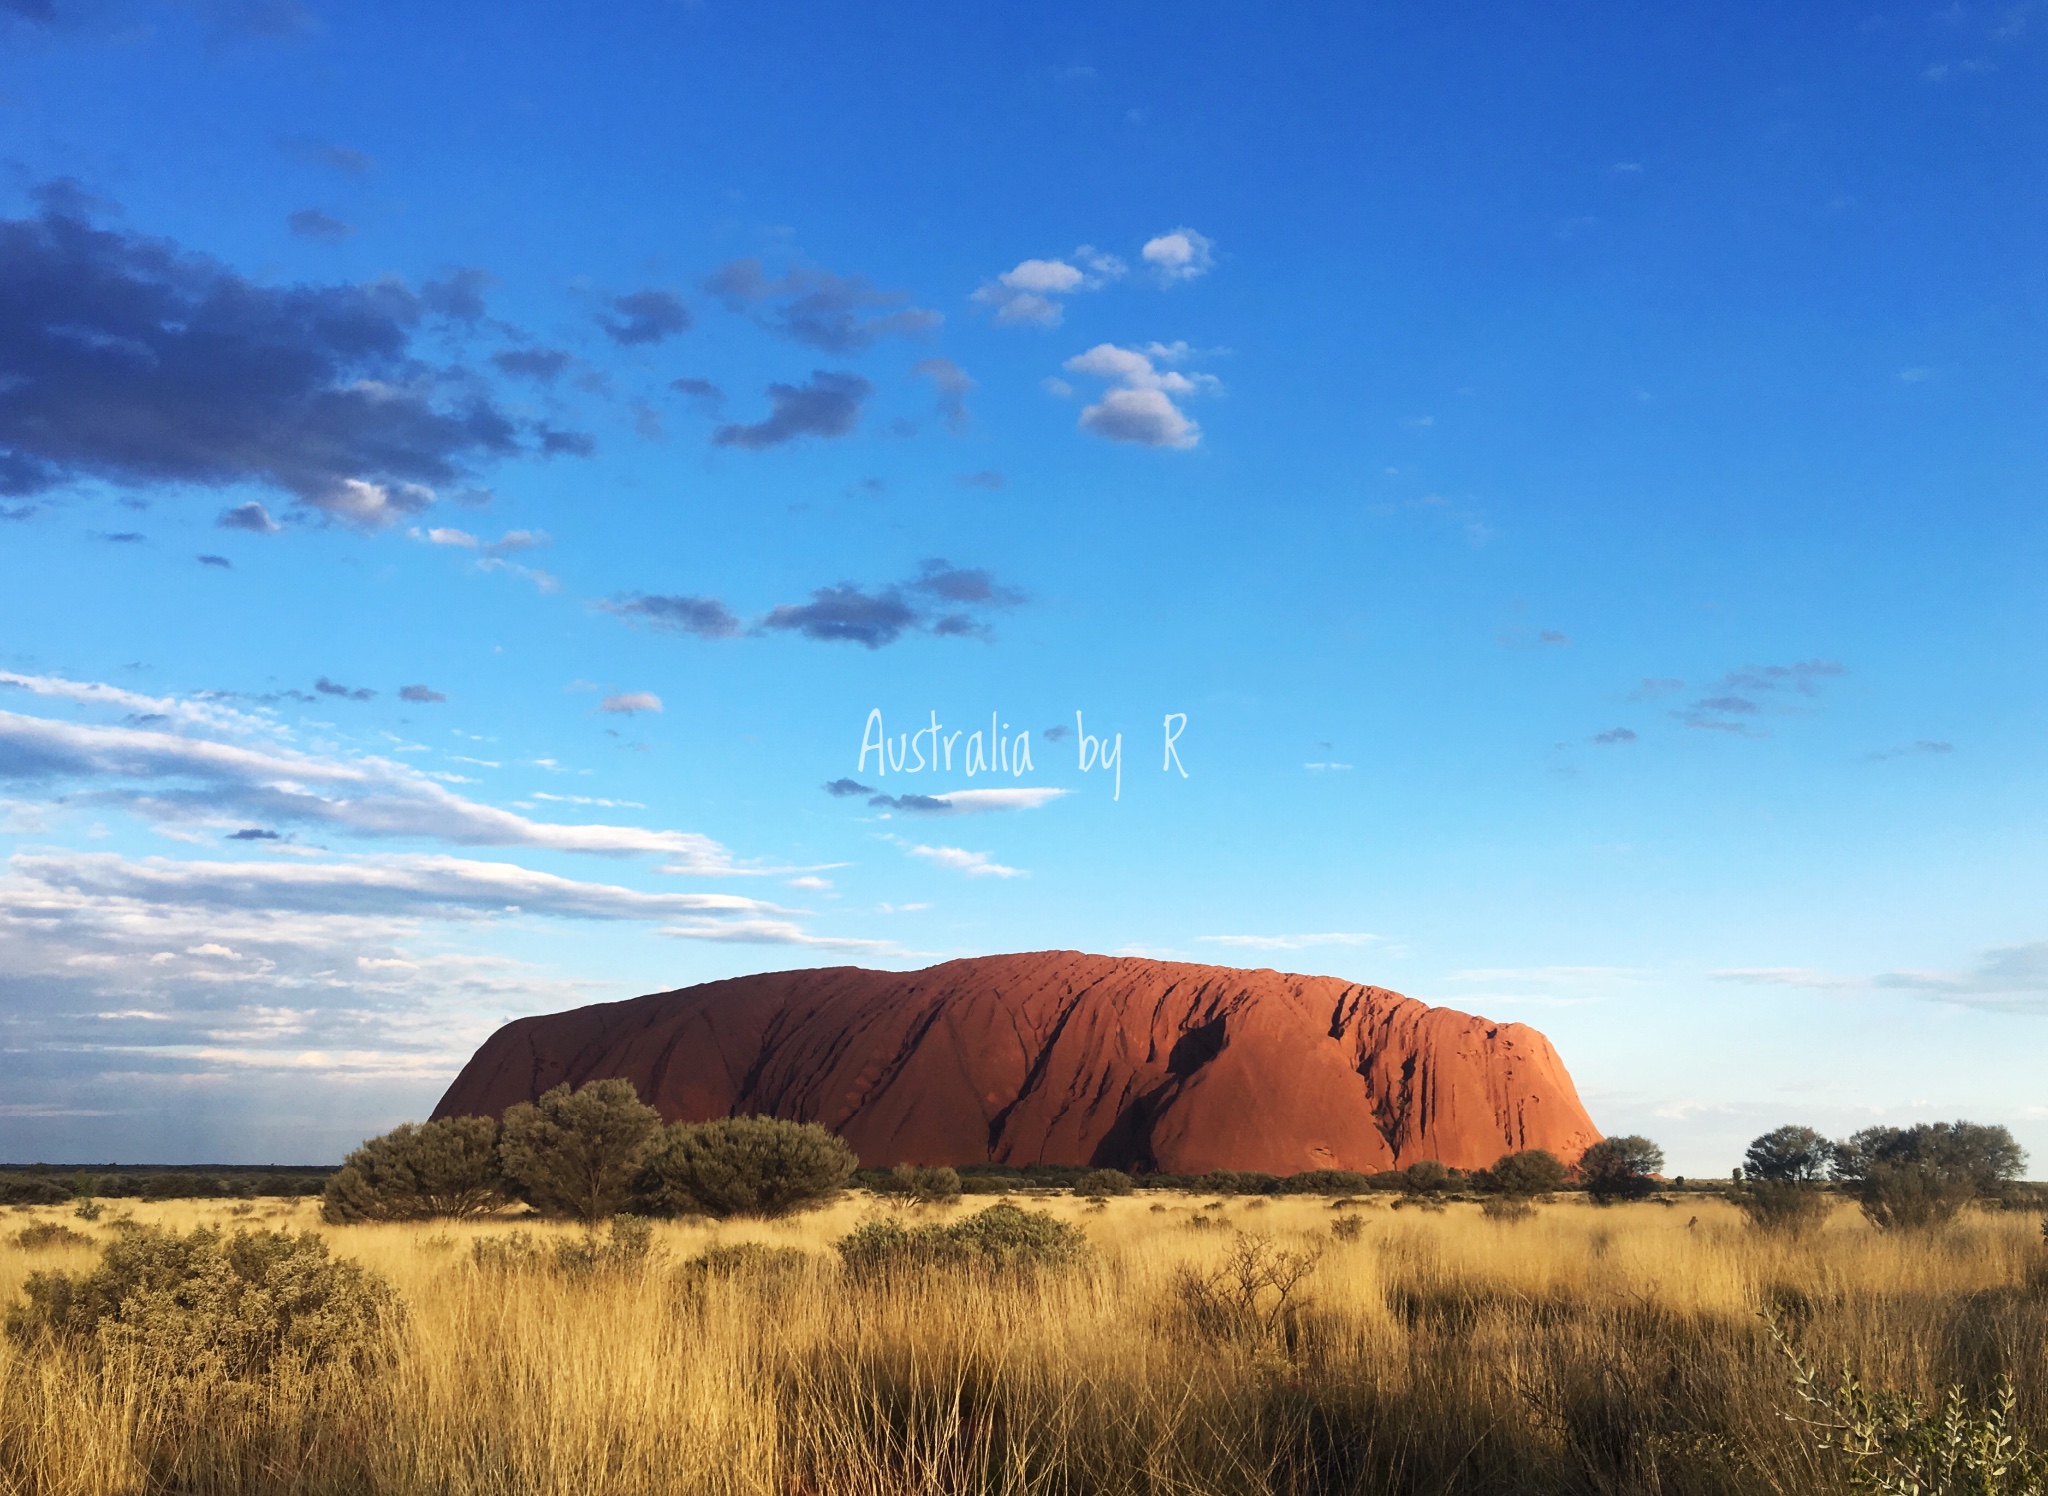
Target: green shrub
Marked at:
751, 1262
1507, 1208
745, 1166
925, 1186
1917, 1178
1784, 1207
420, 1171
1789, 1155
1235, 1182
628, 1250
205, 1307
577, 1153
88, 1210
1324, 1182
1097, 1183
32, 1189
1622, 1168
1889, 1443
1533, 1171
1428, 1177
45, 1234
1000, 1239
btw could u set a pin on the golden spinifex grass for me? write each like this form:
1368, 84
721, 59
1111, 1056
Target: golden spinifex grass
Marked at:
1583, 1350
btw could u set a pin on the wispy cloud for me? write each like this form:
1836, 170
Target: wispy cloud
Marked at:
960, 860
1292, 942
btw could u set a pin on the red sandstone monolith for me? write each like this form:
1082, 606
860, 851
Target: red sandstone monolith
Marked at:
1055, 1057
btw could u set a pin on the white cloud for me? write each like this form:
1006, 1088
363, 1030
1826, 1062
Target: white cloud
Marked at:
1180, 255
970, 802
775, 932
1028, 292
810, 880
410, 885
1139, 407
629, 702
1784, 976
974, 864
363, 505
1291, 942
176, 779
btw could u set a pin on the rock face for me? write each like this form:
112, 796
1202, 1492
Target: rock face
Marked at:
1061, 1058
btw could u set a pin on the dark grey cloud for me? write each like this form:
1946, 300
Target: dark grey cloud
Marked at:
311, 223
698, 389
327, 687
1737, 705
642, 317
543, 365
937, 601
826, 405
252, 833
125, 537
915, 803
706, 617
1925, 747
458, 295
1616, 735
251, 516
1804, 677
840, 789
838, 313
987, 478
1057, 734
846, 613
128, 359
953, 385
344, 159
425, 695
221, 561
555, 443
939, 578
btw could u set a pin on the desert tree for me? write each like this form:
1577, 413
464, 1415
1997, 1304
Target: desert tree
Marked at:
745, 1166
1918, 1177
417, 1171
576, 1153
1623, 1168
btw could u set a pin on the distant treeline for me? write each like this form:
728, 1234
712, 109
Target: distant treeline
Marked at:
53, 1184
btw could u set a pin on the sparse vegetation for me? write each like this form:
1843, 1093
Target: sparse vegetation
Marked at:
1297, 1348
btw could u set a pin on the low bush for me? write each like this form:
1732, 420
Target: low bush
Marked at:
205, 1307
1428, 1177
1783, 1207
418, 1172
1001, 1239
32, 1189
1258, 1291
1097, 1183
924, 1186
46, 1234
1234, 1182
1324, 1182
626, 1249
746, 1166
1533, 1171
1348, 1228
1508, 1208
762, 1269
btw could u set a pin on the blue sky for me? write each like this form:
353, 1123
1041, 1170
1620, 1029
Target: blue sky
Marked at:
470, 473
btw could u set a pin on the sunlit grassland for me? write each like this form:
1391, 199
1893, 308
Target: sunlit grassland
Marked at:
1586, 1349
